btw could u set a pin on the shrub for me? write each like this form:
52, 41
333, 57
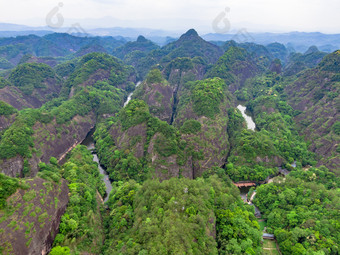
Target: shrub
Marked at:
191, 127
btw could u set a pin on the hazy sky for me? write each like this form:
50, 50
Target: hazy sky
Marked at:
254, 15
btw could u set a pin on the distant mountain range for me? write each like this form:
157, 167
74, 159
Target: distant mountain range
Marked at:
299, 41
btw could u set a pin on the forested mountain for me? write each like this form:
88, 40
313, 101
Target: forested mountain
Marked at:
177, 130
315, 93
298, 62
188, 45
56, 46
132, 48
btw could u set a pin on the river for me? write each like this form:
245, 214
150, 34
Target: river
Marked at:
130, 95
244, 190
89, 143
250, 123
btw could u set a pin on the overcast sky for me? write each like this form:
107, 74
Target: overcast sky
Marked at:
254, 15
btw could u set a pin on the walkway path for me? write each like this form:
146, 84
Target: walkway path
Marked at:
252, 197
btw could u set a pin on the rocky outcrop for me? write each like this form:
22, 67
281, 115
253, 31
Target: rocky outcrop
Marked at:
170, 166
51, 61
315, 93
15, 97
51, 140
34, 221
159, 97
235, 67
6, 121
96, 67
210, 141
133, 139
197, 140
54, 140
162, 97
12, 167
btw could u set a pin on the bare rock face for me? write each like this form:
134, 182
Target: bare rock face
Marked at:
132, 139
159, 97
213, 142
6, 121
167, 167
33, 222
51, 140
210, 142
53, 143
192, 145
316, 94
15, 97
13, 166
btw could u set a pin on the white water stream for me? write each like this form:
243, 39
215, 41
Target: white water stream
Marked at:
250, 123
130, 95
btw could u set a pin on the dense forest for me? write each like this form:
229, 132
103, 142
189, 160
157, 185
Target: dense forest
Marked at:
167, 125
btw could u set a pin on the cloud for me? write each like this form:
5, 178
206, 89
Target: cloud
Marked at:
271, 15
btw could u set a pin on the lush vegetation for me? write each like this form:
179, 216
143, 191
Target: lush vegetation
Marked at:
318, 91
17, 139
80, 227
206, 97
255, 155
154, 76
6, 109
111, 70
304, 216
123, 164
4, 82
173, 190
177, 216
191, 127
8, 186
30, 76
235, 66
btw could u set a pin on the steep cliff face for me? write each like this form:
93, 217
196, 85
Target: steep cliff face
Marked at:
155, 152
31, 220
136, 145
132, 139
161, 94
12, 167
169, 158
235, 67
158, 94
6, 121
181, 70
197, 141
30, 85
56, 128
94, 68
55, 140
316, 94
50, 140
19, 100
202, 118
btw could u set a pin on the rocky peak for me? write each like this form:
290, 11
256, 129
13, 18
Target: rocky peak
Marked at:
312, 49
191, 33
141, 39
